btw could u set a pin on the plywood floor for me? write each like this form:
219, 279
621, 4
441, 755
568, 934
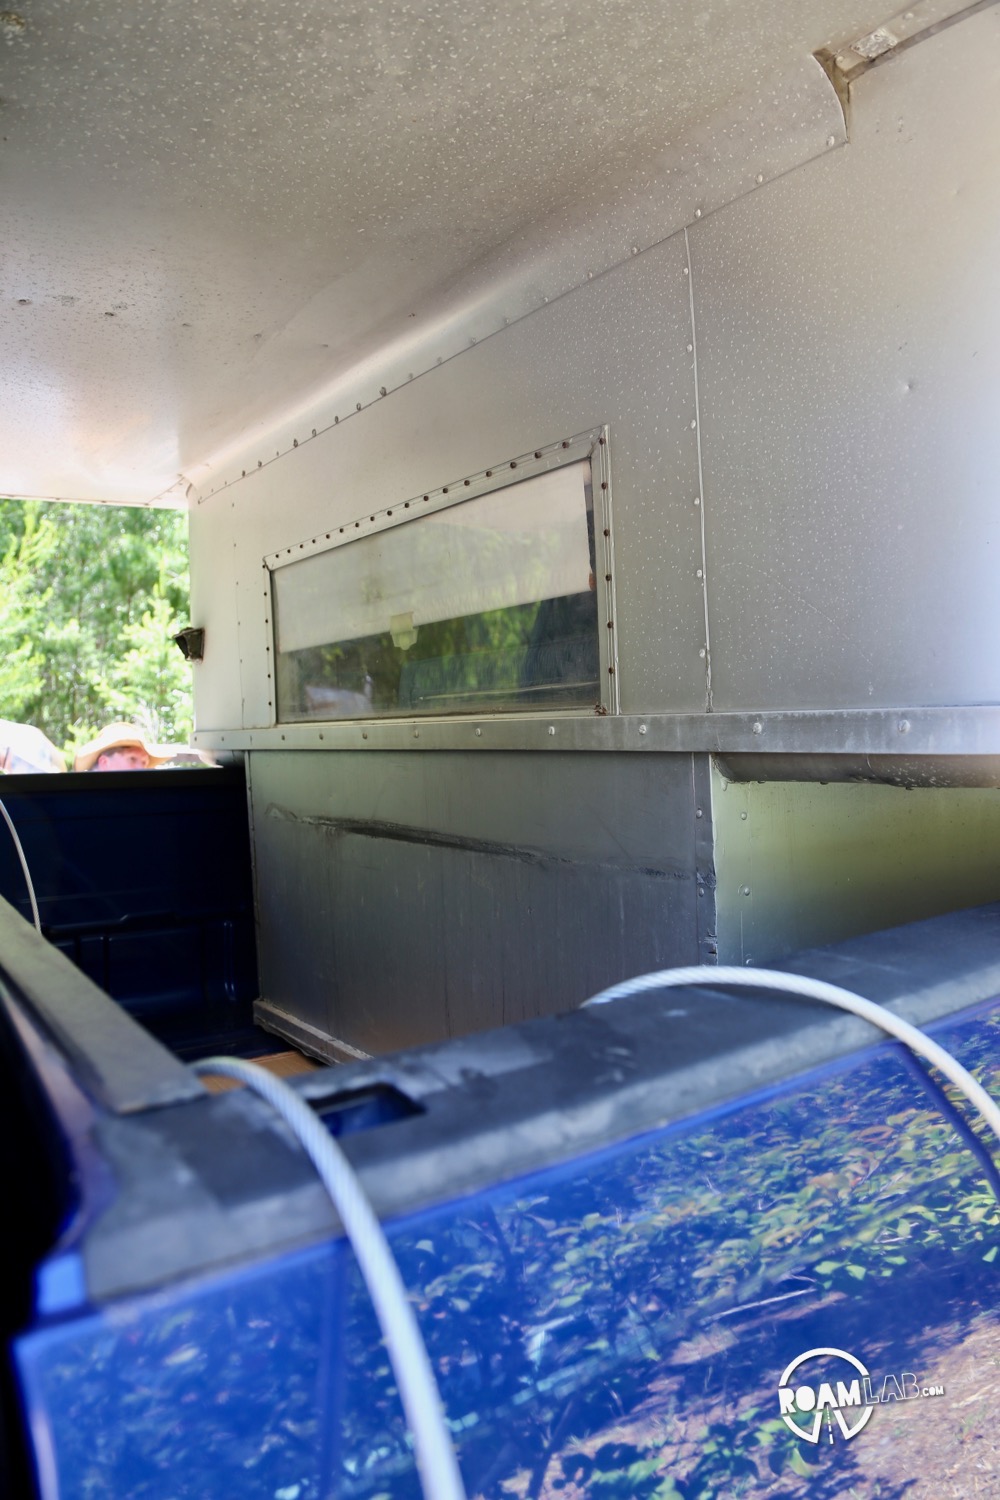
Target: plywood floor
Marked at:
284, 1064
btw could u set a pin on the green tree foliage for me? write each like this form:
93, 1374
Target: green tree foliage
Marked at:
20, 600
89, 598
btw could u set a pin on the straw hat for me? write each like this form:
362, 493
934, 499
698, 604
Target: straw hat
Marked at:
118, 737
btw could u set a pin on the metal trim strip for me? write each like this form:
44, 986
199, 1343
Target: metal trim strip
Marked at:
943, 731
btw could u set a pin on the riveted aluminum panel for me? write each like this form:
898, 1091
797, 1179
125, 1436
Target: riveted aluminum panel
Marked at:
404, 898
848, 324
216, 599
776, 745
616, 351
800, 864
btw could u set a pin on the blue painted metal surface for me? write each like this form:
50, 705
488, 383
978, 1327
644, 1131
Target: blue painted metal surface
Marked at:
143, 881
616, 1326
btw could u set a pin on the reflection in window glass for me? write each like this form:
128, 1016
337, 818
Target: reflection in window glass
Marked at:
485, 606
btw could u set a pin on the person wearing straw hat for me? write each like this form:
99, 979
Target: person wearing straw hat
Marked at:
119, 747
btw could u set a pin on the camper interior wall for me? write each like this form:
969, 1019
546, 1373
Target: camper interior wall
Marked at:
849, 366
801, 391
402, 897
800, 862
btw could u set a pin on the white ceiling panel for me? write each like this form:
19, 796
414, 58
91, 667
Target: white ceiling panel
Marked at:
212, 211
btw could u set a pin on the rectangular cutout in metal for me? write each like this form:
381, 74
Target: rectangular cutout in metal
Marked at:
364, 1109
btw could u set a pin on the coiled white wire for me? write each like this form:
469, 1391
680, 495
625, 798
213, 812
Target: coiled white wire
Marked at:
24, 866
830, 994
435, 1453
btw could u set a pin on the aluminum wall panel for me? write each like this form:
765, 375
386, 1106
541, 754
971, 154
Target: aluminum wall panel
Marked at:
846, 343
215, 606
615, 351
403, 898
848, 322
800, 864
847, 340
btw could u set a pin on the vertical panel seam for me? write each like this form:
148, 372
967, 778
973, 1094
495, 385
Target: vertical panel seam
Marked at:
706, 905
701, 475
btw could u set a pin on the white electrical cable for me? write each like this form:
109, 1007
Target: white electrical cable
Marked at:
829, 994
24, 866
435, 1453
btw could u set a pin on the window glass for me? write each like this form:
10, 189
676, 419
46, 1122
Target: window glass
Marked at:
484, 606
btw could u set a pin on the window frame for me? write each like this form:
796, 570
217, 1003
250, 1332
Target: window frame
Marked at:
593, 445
